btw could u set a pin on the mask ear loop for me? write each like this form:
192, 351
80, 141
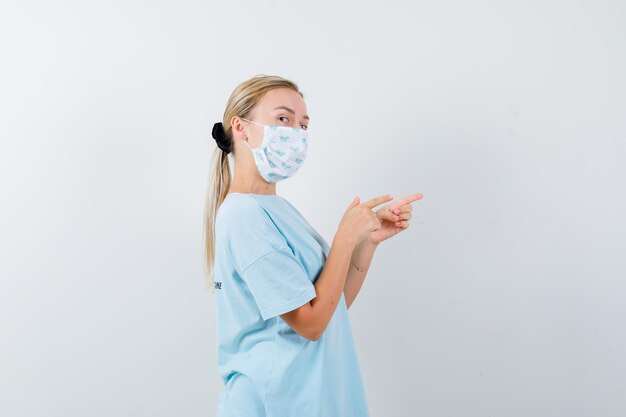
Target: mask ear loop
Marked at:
243, 118
245, 139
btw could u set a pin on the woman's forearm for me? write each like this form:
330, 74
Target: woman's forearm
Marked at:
329, 285
362, 258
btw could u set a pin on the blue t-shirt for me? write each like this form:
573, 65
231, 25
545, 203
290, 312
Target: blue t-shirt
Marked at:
267, 258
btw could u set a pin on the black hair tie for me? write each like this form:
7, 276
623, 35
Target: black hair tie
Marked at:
220, 137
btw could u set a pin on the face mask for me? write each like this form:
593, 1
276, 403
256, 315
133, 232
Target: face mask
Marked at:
282, 152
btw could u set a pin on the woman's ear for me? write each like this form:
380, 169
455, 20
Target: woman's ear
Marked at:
238, 128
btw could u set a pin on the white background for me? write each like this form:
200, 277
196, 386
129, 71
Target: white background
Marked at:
505, 297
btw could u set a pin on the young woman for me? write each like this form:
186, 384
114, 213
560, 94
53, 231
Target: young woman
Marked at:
285, 345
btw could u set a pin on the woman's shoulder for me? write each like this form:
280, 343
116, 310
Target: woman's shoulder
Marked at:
242, 221
240, 210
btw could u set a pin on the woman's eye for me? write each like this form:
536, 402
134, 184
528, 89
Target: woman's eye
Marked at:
305, 127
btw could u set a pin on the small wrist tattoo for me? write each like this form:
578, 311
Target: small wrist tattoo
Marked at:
360, 268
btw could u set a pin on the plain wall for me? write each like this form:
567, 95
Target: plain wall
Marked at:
505, 297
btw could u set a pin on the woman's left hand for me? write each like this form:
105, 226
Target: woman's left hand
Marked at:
393, 218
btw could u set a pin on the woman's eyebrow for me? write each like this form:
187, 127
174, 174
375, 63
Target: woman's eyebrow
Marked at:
291, 111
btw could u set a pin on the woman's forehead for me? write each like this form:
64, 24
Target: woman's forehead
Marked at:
283, 99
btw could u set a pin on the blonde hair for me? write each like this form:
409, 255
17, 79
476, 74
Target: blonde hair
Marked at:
242, 103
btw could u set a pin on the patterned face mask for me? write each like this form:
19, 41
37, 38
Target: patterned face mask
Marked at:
282, 152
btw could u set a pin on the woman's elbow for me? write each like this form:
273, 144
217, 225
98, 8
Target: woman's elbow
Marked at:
303, 321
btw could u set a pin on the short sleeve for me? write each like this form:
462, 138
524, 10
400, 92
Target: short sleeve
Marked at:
263, 258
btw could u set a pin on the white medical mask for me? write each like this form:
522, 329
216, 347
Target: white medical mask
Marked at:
282, 152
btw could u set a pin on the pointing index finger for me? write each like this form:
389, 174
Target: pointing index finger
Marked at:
405, 200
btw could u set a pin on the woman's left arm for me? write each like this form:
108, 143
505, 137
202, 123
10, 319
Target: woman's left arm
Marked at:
361, 258
394, 218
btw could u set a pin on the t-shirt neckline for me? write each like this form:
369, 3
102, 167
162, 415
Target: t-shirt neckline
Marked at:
255, 194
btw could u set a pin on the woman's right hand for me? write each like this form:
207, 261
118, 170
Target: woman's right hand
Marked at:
359, 219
